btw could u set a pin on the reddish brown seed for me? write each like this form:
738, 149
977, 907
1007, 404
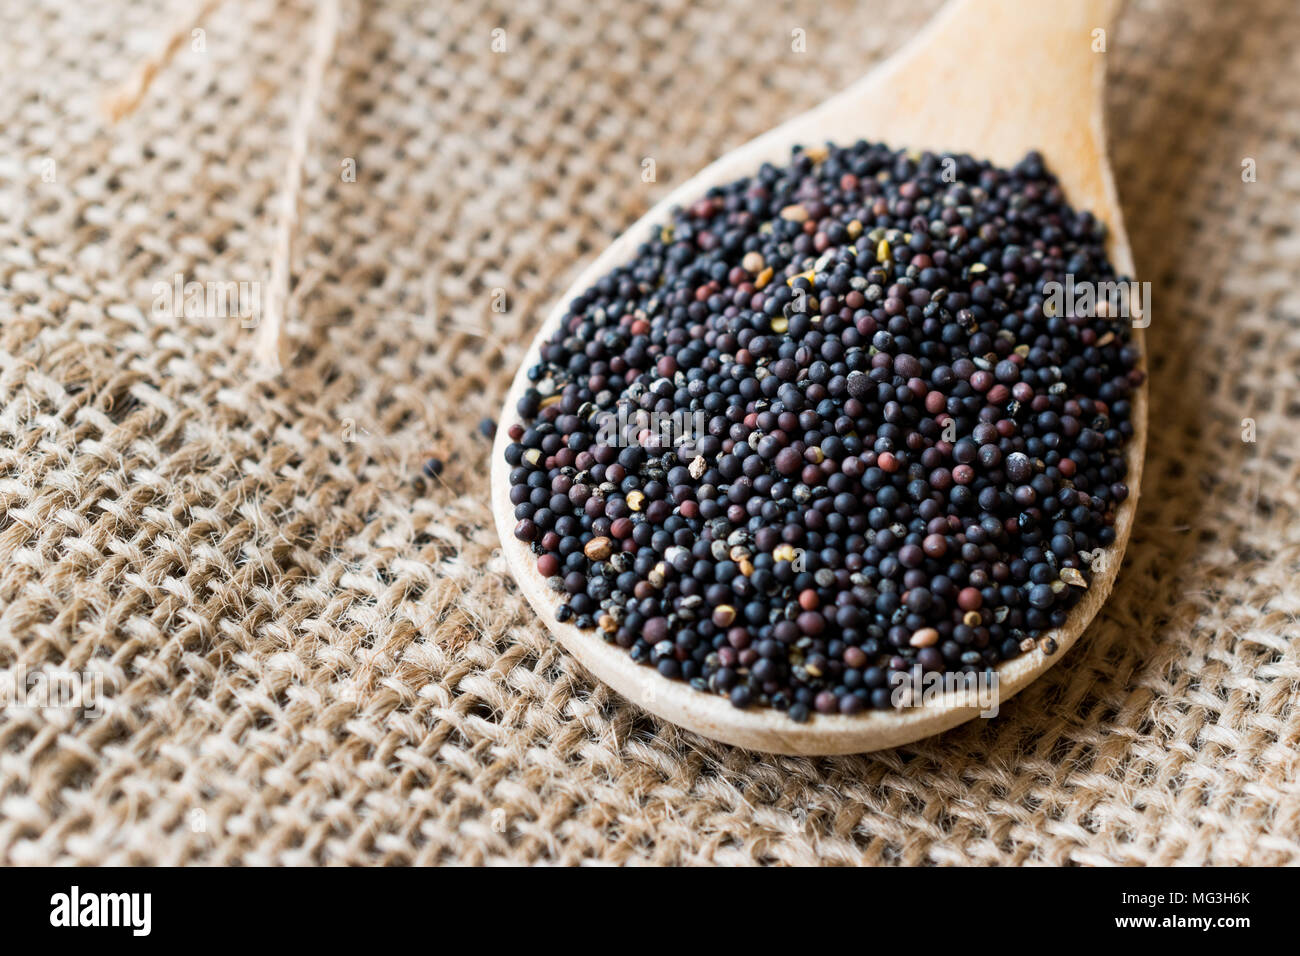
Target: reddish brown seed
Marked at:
808, 600
811, 623
788, 461
548, 565
970, 599
935, 546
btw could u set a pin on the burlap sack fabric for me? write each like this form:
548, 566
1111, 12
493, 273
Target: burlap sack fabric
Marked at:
312, 655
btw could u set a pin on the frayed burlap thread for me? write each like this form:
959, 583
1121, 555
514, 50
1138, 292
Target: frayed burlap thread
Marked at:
309, 653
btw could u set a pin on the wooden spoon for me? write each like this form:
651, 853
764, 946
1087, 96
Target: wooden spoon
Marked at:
993, 78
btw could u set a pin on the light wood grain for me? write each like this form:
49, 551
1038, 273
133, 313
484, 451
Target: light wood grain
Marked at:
994, 78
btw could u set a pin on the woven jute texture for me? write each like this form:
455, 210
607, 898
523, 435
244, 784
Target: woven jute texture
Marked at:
301, 651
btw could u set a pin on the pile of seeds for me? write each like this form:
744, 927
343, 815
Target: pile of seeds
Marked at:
885, 450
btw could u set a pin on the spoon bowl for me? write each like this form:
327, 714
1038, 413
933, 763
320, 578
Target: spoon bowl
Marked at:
992, 78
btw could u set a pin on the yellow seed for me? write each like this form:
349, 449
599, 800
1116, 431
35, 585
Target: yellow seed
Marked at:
635, 499
598, 549
795, 213
783, 552
753, 262
971, 619
1106, 340
764, 278
817, 153
724, 615
745, 567
882, 250
550, 400
817, 456
810, 275
925, 637
780, 324
1072, 576
978, 267
666, 234
855, 229
608, 624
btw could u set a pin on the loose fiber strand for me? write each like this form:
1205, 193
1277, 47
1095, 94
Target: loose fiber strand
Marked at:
123, 101
268, 346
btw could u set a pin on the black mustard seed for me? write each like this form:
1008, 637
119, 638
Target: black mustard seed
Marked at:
826, 425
